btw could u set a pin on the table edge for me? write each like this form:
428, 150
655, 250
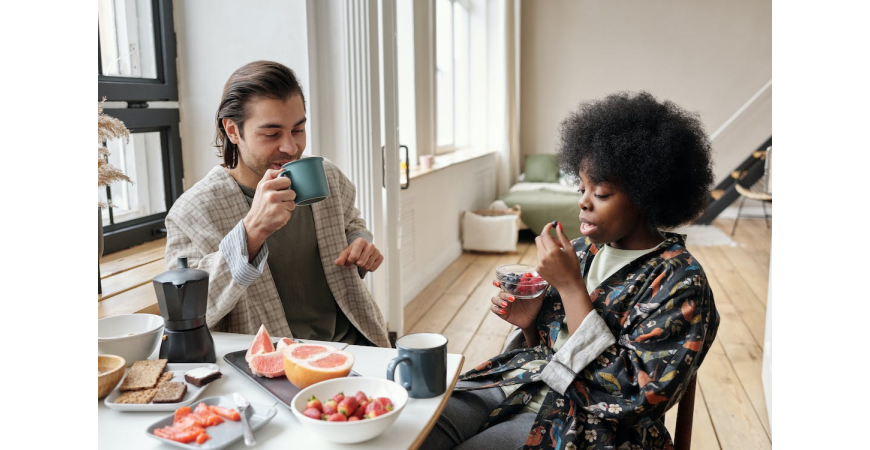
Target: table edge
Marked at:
425, 433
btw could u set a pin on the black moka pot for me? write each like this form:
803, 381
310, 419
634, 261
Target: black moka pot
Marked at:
182, 295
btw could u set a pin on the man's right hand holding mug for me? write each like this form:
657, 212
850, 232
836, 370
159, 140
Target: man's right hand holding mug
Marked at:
271, 209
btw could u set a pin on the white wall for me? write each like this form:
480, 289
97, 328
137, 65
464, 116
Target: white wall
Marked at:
430, 212
709, 57
216, 37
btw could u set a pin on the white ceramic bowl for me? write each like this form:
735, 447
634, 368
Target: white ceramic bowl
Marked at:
351, 432
133, 337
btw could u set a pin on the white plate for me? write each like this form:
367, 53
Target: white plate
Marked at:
177, 369
224, 434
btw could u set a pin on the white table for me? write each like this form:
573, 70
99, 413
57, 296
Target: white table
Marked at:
126, 430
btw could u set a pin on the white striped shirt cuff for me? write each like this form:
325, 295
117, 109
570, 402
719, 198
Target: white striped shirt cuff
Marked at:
234, 246
358, 234
590, 339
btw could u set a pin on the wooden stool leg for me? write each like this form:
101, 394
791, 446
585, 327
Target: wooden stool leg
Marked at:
739, 209
685, 413
766, 221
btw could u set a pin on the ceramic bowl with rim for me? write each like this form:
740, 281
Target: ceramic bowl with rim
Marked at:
133, 337
351, 432
111, 370
520, 280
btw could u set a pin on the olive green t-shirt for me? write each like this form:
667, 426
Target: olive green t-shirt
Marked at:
294, 260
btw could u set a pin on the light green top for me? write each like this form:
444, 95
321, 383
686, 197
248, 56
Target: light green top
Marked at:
607, 261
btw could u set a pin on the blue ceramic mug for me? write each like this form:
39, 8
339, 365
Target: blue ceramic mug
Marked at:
422, 364
308, 179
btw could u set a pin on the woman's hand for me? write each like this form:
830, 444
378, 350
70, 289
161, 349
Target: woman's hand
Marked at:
521, 313
557, 262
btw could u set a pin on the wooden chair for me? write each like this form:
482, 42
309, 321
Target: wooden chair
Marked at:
762, 192
685, 414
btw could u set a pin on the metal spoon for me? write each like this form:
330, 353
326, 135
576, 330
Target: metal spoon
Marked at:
242, 404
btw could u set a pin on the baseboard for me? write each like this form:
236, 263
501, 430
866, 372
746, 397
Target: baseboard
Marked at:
413, 284
754, 211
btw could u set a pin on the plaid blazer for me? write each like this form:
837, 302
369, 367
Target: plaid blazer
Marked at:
206, 213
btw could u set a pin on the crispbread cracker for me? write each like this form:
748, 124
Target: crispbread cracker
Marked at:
140, 396
166, 377
170, 392
143, 375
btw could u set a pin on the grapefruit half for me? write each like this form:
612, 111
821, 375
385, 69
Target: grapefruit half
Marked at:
306, 364
262, 344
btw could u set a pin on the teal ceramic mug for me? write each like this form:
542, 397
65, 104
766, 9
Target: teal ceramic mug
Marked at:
308, 179
422, 364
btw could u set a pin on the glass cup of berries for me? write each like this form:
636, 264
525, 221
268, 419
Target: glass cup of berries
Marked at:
520, 280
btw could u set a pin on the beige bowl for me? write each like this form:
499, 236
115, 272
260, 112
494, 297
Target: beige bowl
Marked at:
111, 369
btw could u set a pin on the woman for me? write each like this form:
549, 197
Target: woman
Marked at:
628, 316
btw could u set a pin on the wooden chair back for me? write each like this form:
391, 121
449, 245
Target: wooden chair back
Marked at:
685, 413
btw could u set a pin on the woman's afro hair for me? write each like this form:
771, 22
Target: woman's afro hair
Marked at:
655, 151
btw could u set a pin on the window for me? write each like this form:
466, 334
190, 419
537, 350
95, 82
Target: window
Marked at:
137, 76
452, 73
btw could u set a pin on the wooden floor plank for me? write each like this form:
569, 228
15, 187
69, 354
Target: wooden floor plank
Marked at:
727, 271
421, 304
753, 273
440, 315
751, 312
733, 417
703, 433
132, 257
129, 279
140, 299
745, 357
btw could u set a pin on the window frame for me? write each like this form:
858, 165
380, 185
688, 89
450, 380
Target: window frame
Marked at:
165, 86
143, 229
139, 117
451, 147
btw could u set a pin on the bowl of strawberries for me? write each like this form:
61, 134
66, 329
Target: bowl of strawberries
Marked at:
350, 409
520, 280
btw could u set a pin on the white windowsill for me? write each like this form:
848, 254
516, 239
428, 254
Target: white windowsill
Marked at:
449, 159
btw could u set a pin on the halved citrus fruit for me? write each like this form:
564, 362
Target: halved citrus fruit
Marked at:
262, 344
269, 365
306, 364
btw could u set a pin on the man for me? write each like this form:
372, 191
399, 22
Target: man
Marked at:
296, 269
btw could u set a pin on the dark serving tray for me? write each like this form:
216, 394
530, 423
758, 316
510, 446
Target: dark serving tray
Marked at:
280, 387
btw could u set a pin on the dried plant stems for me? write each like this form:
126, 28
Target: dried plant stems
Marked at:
109, 128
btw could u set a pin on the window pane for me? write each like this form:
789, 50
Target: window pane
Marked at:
127, 38
444, 75
141, 159
462, 75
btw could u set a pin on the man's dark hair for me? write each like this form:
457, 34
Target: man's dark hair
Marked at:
255, 80
655, 151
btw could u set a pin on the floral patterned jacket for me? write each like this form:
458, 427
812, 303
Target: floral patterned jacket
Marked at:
660, 310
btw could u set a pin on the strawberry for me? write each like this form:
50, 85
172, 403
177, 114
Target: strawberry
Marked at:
375, 408
337, 417
377, 413
338, 397
330, 407
361, 409
388, 404
360, 396
353, 419
347, 406
313, 402
527, 275
313, 413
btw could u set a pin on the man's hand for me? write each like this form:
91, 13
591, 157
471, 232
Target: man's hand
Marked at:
362, 253
271, 209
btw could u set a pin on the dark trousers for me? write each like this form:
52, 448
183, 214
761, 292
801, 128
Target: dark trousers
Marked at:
464, 415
